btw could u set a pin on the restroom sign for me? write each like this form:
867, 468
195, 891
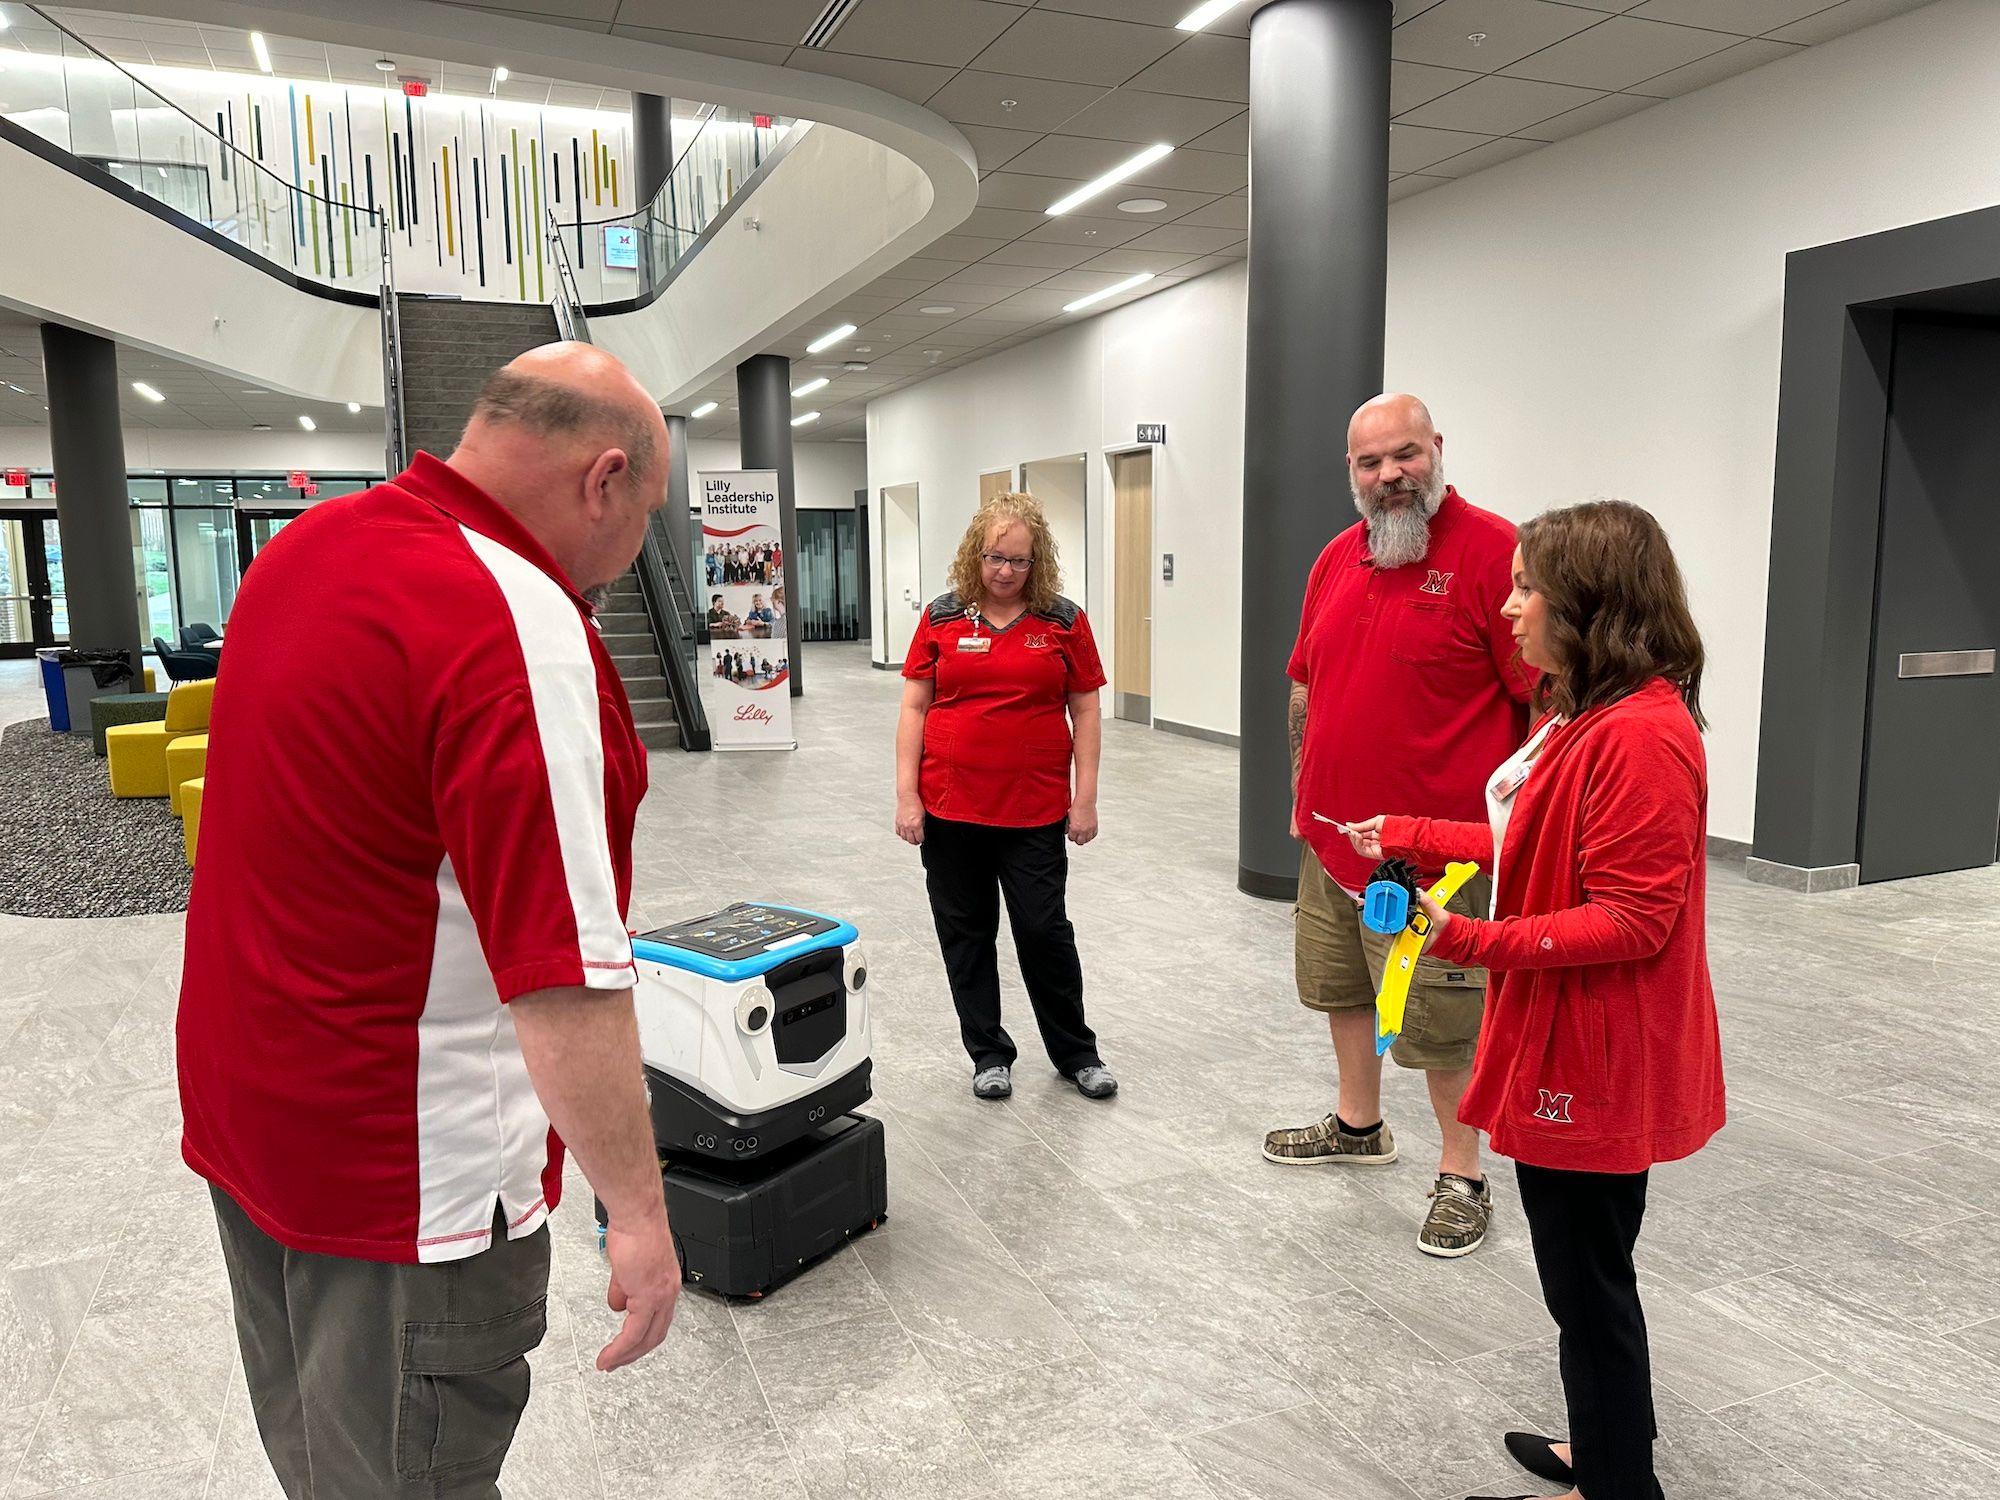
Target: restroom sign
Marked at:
1153, 432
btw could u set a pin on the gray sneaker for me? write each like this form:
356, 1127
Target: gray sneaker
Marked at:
1324, 1142
1456, 1224
1094, 1082
992, 1083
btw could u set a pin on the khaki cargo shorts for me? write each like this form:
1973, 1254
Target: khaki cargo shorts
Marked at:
1340, 968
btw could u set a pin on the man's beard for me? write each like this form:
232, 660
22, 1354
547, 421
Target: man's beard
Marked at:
597, 597
1400, 534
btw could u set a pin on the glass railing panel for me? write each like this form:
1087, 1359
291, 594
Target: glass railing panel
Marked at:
102, 103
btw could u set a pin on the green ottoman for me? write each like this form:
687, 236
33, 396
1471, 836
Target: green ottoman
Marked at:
123, 708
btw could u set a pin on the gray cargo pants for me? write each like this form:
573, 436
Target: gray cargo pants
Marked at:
376, 1381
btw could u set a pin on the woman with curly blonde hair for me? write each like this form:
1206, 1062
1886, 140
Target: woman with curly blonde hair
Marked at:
999, 708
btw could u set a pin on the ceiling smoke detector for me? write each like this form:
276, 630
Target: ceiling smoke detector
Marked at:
1476, 38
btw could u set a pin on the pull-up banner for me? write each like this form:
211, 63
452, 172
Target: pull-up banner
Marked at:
747, 664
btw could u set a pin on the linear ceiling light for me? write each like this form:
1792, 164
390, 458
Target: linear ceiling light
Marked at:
830, 21
147, 391
1201, 15
800, 421
813, 385
1110, 179
263, 53
831, 337
703, 410
308, 423
1111, 291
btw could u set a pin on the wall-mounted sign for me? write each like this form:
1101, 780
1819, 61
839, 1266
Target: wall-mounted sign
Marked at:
1153, 432
298, 479
17, 476
621, 247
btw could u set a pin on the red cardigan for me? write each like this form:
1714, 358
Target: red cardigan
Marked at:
1600, 1050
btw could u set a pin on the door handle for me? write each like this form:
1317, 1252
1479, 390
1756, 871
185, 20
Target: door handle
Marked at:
1945, 663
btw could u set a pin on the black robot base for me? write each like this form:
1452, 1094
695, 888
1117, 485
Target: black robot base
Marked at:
743, 1229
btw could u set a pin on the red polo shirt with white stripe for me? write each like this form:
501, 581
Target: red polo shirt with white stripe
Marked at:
420, 788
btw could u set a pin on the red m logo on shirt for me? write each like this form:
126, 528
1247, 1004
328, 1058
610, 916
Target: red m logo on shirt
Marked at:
1438, 583
1554, 1107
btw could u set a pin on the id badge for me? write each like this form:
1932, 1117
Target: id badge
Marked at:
974, 644
1504, 787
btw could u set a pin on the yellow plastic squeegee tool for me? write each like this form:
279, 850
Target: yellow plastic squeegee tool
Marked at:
1401, 968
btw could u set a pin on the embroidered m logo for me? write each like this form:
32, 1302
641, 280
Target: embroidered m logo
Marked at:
1554, 1107
1438, 583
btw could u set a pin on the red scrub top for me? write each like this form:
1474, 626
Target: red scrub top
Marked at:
997, 738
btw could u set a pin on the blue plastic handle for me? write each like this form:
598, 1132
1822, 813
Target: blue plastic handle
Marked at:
1385, 907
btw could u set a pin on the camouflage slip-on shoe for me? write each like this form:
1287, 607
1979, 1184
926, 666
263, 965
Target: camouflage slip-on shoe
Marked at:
1460, 1212
1324, 1143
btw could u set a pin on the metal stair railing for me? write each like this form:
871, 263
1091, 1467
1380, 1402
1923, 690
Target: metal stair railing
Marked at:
670, 607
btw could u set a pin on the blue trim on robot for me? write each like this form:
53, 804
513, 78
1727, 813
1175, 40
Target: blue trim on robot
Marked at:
738, 970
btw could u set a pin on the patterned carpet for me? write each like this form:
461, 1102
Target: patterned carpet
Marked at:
68, 848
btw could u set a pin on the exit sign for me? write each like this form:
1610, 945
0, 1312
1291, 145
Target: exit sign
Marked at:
416, 88
298, 479
1153, 432
18, 476
762, 122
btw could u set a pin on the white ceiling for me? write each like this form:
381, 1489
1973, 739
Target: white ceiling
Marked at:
195, 398
1053, 93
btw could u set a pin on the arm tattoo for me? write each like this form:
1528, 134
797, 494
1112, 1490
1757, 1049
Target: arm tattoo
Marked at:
1296, 720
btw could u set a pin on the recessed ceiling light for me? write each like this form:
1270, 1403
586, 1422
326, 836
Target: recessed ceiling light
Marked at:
1009, 103
812, 385
703, 410
263, 52
938, 309
308, 423
831, 337
500, 74
801, 420
354, 408
1142, 205
1202, 14
1111, 291
147, 391
1110, 179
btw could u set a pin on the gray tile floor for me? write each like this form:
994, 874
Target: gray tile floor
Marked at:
1114, 1300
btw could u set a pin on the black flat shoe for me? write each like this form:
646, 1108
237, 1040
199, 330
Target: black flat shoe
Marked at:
1537, 1455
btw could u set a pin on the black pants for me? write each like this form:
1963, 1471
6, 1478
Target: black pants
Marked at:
372, 1381
1584, 1225
968, 867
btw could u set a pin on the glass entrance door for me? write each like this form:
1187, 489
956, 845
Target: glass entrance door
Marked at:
33, 609
254, 530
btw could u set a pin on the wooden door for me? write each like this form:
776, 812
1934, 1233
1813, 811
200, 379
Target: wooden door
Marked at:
1132, 661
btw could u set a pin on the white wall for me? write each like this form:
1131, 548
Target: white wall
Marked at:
1175, 357
825, 474
1062, 485
211, 452
1600, 317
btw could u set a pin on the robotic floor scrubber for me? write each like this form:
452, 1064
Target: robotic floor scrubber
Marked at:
753, 1028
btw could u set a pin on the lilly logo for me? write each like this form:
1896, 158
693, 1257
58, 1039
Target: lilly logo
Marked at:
1554, 1107
750, 713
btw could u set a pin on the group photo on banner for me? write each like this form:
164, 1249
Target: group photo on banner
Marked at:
742, 567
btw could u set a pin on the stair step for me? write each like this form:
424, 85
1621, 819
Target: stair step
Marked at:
635, 643
643, 690
624, 621
653, 711
660, 736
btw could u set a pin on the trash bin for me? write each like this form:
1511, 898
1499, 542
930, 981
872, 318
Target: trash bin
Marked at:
84, 675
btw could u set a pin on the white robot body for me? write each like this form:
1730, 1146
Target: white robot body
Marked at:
753, 1027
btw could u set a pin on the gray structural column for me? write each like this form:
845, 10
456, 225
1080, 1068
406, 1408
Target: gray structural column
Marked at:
652, 145
1319, 236
764, 412
93, 510
679, 529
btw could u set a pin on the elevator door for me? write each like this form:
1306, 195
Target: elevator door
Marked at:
1930, 795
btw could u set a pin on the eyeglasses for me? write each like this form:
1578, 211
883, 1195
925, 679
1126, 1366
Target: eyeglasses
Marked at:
997, 561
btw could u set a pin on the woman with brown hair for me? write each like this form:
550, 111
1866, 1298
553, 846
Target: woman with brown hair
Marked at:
1600, 1054
999, 709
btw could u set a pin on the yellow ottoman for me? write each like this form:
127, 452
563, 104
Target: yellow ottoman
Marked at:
149, 678
190, 815
187, 757
137, 753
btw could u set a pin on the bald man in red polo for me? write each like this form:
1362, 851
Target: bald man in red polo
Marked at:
1406, 692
